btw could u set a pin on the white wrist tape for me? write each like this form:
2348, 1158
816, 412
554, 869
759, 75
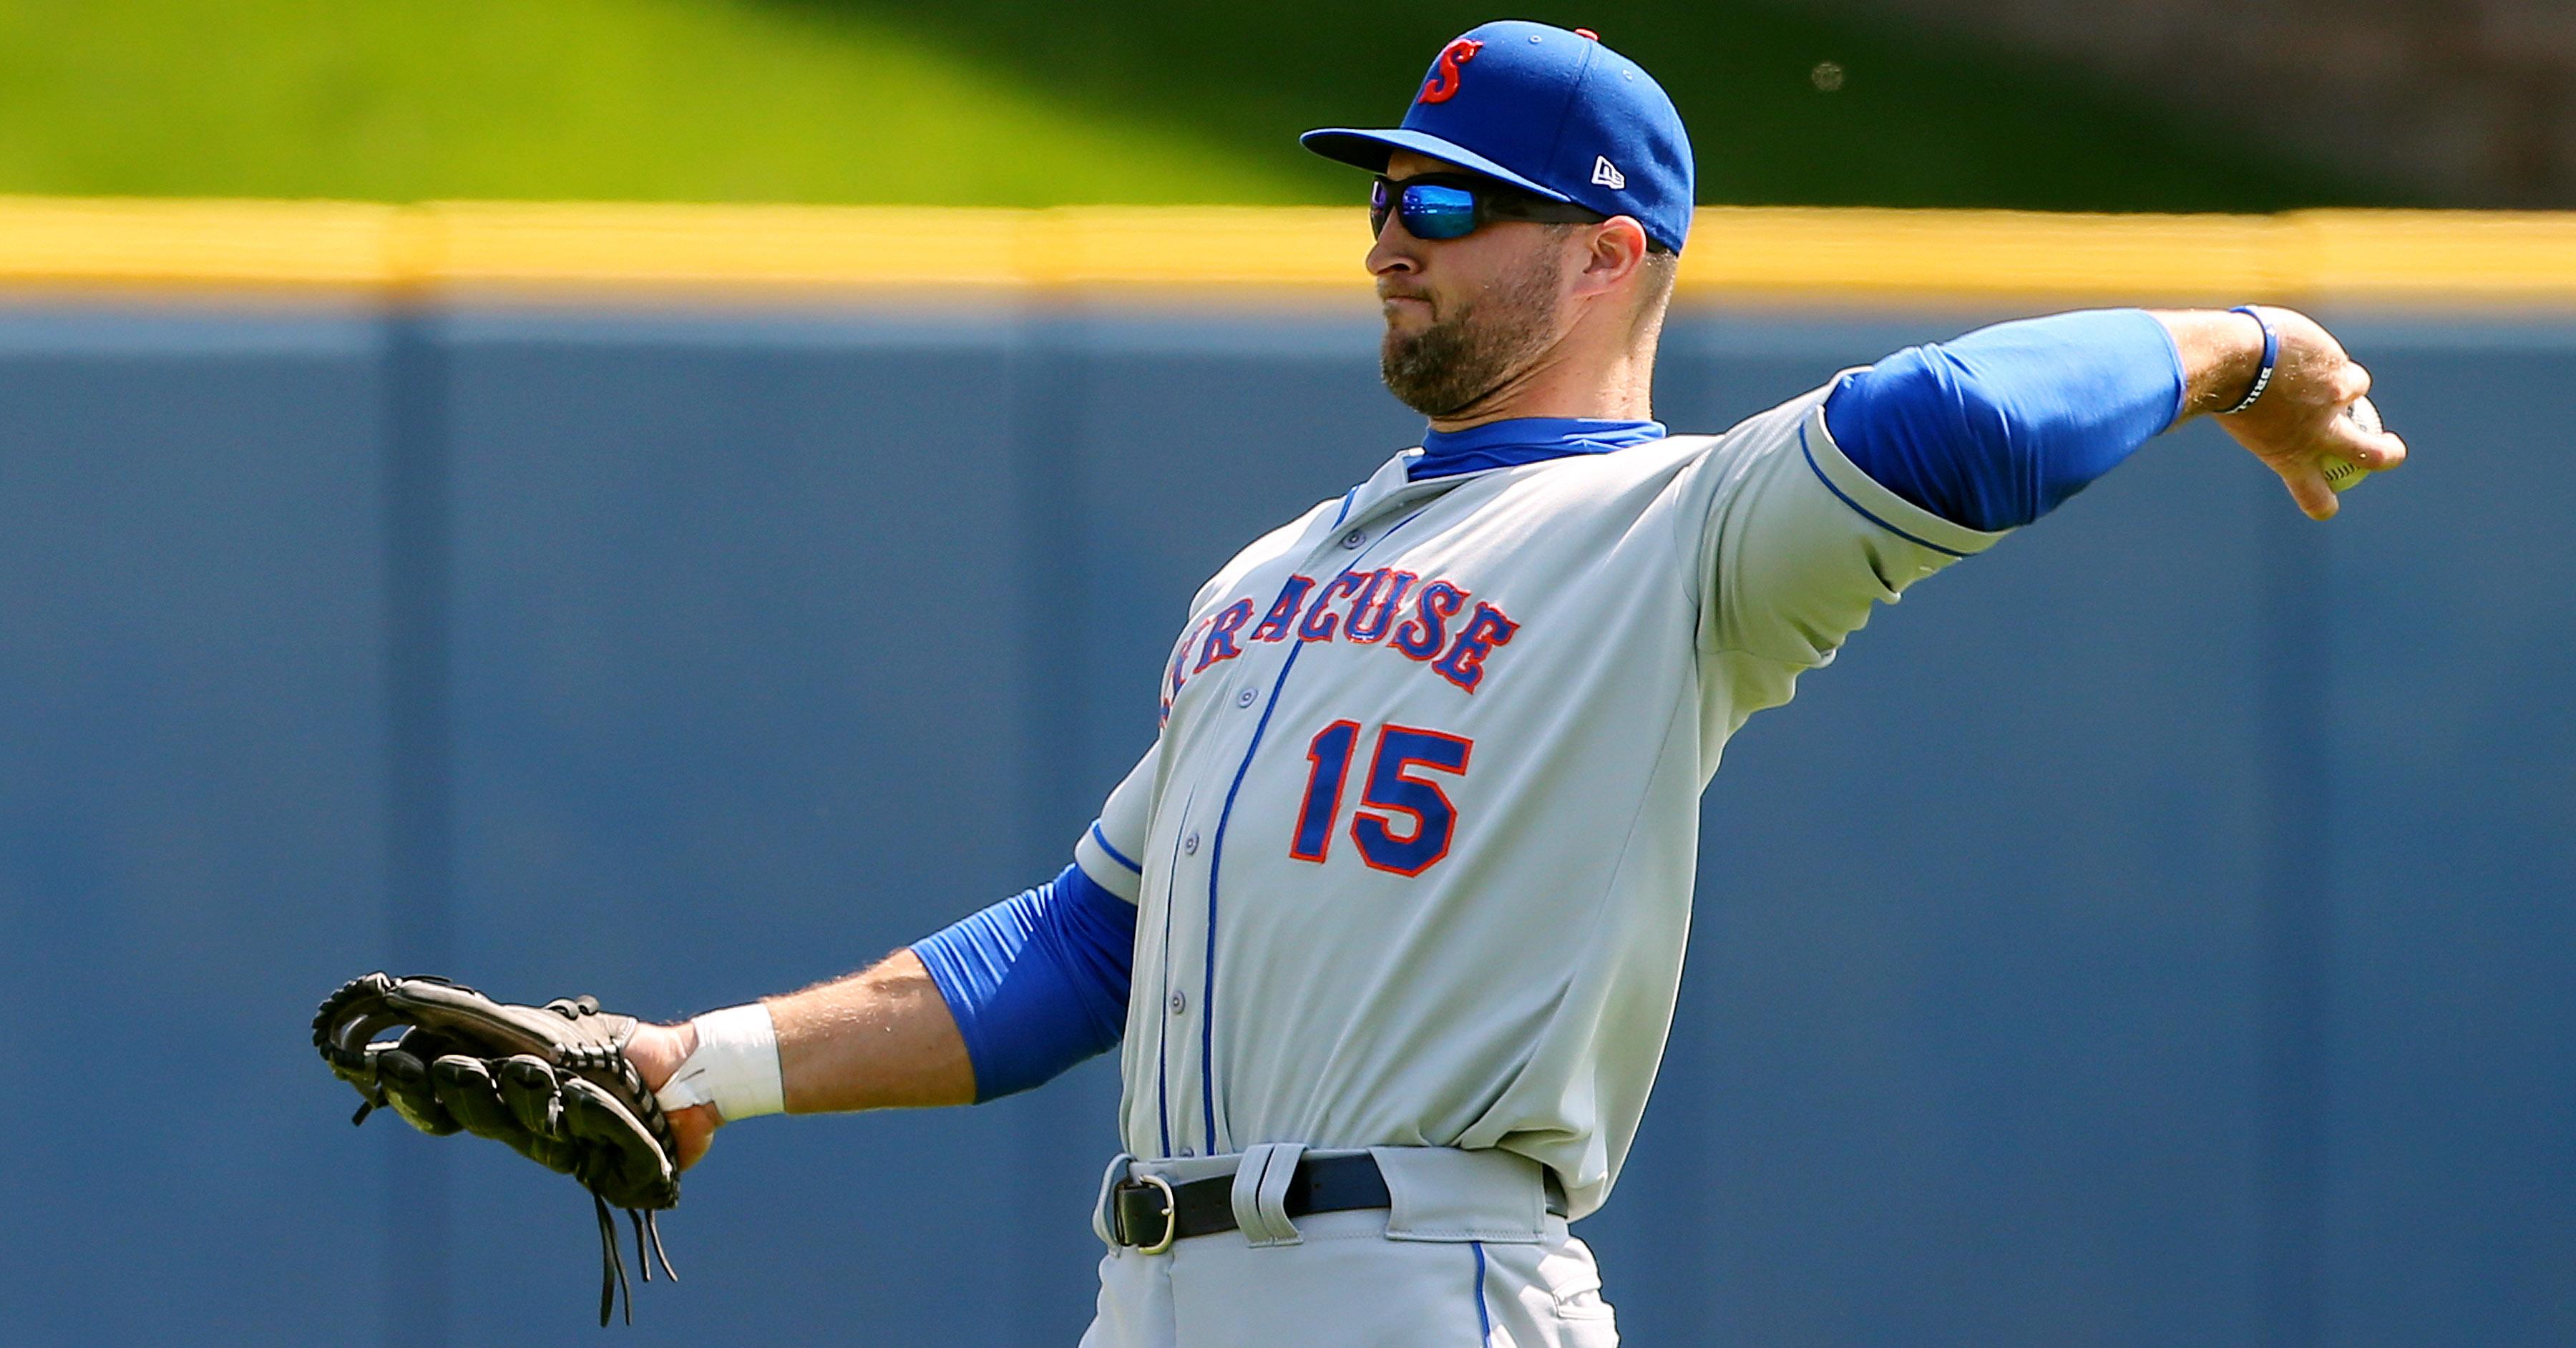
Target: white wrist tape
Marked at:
734, 1067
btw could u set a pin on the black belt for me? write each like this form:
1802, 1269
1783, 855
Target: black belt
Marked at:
1151, 1212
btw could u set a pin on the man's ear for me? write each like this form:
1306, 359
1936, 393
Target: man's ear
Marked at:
1616, 250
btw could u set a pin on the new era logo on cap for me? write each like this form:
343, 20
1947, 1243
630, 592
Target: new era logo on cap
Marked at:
1607, 174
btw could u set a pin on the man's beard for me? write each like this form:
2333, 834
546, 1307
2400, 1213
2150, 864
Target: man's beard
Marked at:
1453, 364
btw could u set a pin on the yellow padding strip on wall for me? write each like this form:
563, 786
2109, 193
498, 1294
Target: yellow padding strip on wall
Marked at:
2441, 258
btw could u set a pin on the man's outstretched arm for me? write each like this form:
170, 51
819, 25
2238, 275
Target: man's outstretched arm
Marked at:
1996, 428
997, 1003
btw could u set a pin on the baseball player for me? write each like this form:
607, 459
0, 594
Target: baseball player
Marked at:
1387, 922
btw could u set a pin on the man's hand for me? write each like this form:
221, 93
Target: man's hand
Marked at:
657, 1051
2300, 417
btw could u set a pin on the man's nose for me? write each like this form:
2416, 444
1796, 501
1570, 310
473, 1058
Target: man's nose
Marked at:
1393, 250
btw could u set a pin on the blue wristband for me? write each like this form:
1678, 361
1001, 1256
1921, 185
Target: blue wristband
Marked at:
2271, 354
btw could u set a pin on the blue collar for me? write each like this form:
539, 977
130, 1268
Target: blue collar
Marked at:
1520, 440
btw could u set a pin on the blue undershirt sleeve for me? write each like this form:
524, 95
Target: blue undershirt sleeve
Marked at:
1037, 982
1996, 428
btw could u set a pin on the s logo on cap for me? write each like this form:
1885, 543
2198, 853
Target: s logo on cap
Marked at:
1443, 84
1548, 110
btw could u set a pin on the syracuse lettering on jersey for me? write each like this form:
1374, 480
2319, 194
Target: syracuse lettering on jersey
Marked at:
1398, 609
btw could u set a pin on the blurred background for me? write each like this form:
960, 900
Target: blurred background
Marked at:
2183, 105
2156, 932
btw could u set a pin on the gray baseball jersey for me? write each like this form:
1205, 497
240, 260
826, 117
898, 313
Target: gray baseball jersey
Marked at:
1413, 853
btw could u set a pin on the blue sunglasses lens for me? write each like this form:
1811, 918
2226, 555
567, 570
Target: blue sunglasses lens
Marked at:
1429, 210
1432, 212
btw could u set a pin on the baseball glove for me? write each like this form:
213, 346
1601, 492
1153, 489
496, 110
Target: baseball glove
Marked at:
553, 1081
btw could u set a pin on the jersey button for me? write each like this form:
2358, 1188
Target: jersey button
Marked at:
1246, 698
1354, 538
1190, 844
1180, 1002
1187, 1152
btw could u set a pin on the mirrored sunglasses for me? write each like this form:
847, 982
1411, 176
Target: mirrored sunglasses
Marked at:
1455, 205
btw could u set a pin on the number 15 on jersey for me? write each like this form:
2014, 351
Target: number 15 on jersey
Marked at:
1404, 821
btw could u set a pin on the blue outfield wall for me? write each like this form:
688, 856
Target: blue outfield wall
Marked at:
2161, 930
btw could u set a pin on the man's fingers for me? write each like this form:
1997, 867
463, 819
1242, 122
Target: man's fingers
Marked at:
2377, 451
2351, 381
658, 1050
694, 1129
2307, 485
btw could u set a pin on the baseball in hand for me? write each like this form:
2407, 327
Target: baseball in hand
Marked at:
2343, 474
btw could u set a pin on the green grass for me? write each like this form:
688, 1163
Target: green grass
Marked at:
585, 99
1018, 102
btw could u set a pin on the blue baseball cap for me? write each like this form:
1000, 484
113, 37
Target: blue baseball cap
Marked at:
1550, 111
